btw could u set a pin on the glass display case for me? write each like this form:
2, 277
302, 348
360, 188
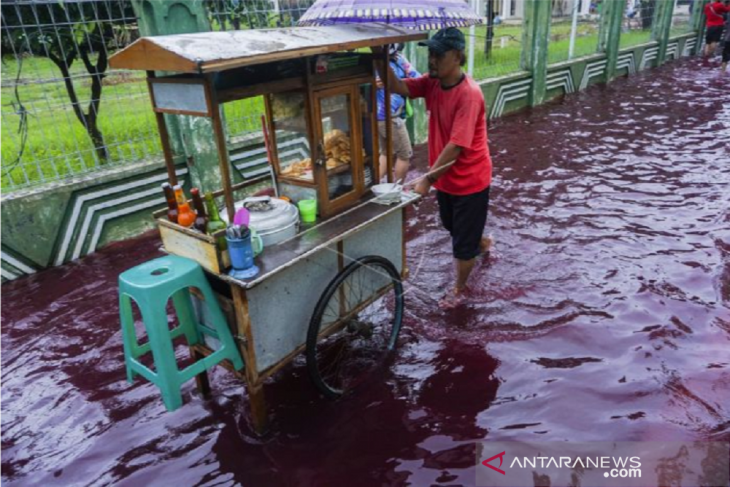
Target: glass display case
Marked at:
288, 111
324, 142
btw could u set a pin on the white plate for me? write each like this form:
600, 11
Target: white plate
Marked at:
387, 193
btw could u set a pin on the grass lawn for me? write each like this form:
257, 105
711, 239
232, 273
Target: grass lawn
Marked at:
506, 50
586, 40
505, 57
634, 38
58, 146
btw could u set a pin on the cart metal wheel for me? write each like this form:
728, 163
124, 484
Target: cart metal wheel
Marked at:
355, 325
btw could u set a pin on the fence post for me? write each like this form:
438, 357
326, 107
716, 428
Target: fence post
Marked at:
472, 30
609, 37
191, 138
573, 30
535, 34
698, 23
697, 15
662, 28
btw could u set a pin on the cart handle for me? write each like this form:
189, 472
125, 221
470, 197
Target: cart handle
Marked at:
415, 181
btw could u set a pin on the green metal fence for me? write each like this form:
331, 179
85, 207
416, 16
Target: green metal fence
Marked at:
65, 113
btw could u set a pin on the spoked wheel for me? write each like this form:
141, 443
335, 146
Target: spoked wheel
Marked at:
355, 325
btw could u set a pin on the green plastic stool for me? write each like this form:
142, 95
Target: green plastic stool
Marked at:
151, 285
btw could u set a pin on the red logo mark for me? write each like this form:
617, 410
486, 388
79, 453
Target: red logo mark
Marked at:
500, 456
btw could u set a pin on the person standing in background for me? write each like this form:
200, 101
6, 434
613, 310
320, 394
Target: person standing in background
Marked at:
715, 22
401, 141
726, 49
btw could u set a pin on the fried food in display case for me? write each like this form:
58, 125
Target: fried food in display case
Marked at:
321, 141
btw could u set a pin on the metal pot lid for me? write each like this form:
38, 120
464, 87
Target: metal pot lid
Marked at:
280, 214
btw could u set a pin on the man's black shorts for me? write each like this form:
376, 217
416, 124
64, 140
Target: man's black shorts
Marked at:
464, 217
714, 34
726, 52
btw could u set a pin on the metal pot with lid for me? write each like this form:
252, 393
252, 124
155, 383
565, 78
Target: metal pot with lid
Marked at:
275, 220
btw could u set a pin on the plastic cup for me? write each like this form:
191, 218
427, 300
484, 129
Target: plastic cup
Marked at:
308, 210
241, 252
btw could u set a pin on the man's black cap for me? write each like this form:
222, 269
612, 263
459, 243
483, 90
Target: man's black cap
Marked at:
447, 39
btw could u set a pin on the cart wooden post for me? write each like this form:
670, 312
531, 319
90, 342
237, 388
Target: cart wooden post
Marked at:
388, 115
164, 135
254, 384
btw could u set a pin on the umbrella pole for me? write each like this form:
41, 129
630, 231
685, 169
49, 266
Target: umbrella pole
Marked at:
388, 115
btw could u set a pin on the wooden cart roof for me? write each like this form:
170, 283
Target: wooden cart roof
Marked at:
207, 52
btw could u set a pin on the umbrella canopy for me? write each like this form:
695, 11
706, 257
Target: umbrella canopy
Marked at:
413, 14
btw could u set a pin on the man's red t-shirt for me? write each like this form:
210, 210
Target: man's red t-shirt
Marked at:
456, 115
714, 12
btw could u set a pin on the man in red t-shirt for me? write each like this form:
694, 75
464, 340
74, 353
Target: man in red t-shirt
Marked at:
714, 12
457, 131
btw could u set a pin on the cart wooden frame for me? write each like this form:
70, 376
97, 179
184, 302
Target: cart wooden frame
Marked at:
267, 335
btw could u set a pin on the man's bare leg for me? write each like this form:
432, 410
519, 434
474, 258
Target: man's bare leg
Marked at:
463, 270
401, 169
485, 245
454, 297
383, 167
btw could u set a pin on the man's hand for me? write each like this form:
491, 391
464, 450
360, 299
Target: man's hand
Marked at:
423, 187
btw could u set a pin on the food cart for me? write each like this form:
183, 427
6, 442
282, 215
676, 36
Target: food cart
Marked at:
334, 288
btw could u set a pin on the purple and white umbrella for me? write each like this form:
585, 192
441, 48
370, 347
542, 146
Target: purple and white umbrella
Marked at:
412, 14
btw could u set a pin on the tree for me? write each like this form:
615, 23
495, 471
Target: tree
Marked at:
246, 14
65, 32
647, 9
256, 14
490, 29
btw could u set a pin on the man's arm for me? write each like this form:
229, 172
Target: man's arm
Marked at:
395, 84
442, 165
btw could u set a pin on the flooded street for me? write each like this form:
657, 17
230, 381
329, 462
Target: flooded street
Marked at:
603, 313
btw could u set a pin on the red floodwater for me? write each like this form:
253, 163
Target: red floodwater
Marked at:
603, 314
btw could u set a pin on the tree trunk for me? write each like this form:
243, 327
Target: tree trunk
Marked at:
97, 74
490, 29
63, 66
98, 140
88, 120
647, 13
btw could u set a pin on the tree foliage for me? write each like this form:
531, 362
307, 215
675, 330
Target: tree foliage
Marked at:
255, 14
66, 32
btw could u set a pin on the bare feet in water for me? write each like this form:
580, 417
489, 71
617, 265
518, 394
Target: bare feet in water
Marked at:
453, 298
458, 296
